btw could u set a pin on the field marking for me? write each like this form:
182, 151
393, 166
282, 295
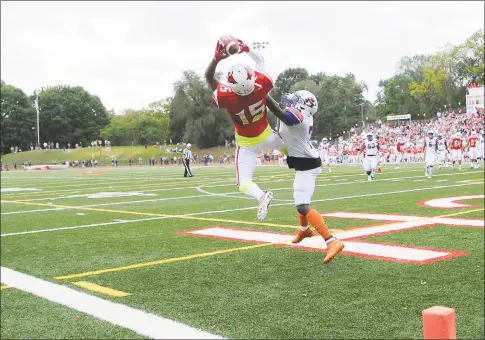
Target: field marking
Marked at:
100, 289
225, 251
207, 182
164, 261
141, 322
187, 216
220, 211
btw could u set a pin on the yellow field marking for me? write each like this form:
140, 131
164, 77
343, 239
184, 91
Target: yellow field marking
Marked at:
170, 260
2, 287
471, 180
157, 215
100, 289
225, 251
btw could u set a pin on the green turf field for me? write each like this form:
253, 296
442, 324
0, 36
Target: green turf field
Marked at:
191, 250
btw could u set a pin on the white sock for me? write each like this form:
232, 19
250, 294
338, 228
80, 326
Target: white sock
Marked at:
302, 228
255, 192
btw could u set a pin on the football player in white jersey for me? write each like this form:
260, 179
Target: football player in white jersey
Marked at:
481, 148
430, 150
296, 130
323, 149
442, 150
371, 148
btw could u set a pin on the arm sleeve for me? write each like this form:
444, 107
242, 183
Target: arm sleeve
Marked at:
293, 116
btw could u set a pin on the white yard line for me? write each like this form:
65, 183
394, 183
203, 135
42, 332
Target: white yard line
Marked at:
141, 322
224, 211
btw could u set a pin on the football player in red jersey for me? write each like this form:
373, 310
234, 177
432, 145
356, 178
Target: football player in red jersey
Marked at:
473, 150
244, 98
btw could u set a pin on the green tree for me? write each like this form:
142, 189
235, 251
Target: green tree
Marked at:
17, 119
287, 79
70, 115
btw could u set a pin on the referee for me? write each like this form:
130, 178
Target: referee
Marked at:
186, 157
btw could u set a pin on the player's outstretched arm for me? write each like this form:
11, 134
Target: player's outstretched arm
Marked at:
219, 54
210, 72
289, 116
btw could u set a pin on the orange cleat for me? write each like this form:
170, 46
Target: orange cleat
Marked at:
379, 170
333, 248
302, 234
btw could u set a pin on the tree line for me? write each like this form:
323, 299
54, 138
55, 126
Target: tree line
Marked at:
70, 114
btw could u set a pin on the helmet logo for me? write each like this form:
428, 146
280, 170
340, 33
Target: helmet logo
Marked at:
250, 74
230, 78
309, 101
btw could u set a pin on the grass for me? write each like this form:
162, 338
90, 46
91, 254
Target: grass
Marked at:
266, 292
122, 153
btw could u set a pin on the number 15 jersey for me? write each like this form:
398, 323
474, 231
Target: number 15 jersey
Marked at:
248, 113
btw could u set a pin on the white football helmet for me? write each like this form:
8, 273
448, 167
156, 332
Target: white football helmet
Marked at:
370, 136
241, 79
474, 134
440, 135
304, 101
324, 139
430, 133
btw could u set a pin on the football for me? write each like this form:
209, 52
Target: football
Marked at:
230, 43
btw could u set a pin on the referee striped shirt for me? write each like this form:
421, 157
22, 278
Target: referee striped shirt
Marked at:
187, 154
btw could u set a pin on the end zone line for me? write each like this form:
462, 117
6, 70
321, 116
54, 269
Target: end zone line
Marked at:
141, 322
230, 250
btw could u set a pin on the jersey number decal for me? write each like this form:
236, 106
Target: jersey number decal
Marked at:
255, 110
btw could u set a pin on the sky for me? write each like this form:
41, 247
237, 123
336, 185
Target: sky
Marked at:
131, 53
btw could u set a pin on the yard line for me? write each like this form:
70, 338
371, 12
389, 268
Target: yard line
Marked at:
155, 200
193, 215
141, 322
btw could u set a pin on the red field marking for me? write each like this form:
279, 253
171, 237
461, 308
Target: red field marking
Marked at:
449, 202
355, 245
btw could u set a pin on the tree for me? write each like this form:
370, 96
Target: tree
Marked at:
70, 115
193, 116
287, 79
17, 119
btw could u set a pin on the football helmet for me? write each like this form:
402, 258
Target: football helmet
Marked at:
474, 134
370, 136
430, 133
303, 100
241, 79
324, 139
440, 135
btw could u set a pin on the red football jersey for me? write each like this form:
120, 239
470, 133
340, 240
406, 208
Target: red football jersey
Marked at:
248, 113
472, 142
456, 144
400, 146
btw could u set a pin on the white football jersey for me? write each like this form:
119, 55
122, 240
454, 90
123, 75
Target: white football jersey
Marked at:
297, 139
323, 148
441, 144
431, 144
482, 143
370, 147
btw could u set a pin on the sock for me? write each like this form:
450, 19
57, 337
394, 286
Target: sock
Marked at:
251, 189
430, 171
317, 221
303, 222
